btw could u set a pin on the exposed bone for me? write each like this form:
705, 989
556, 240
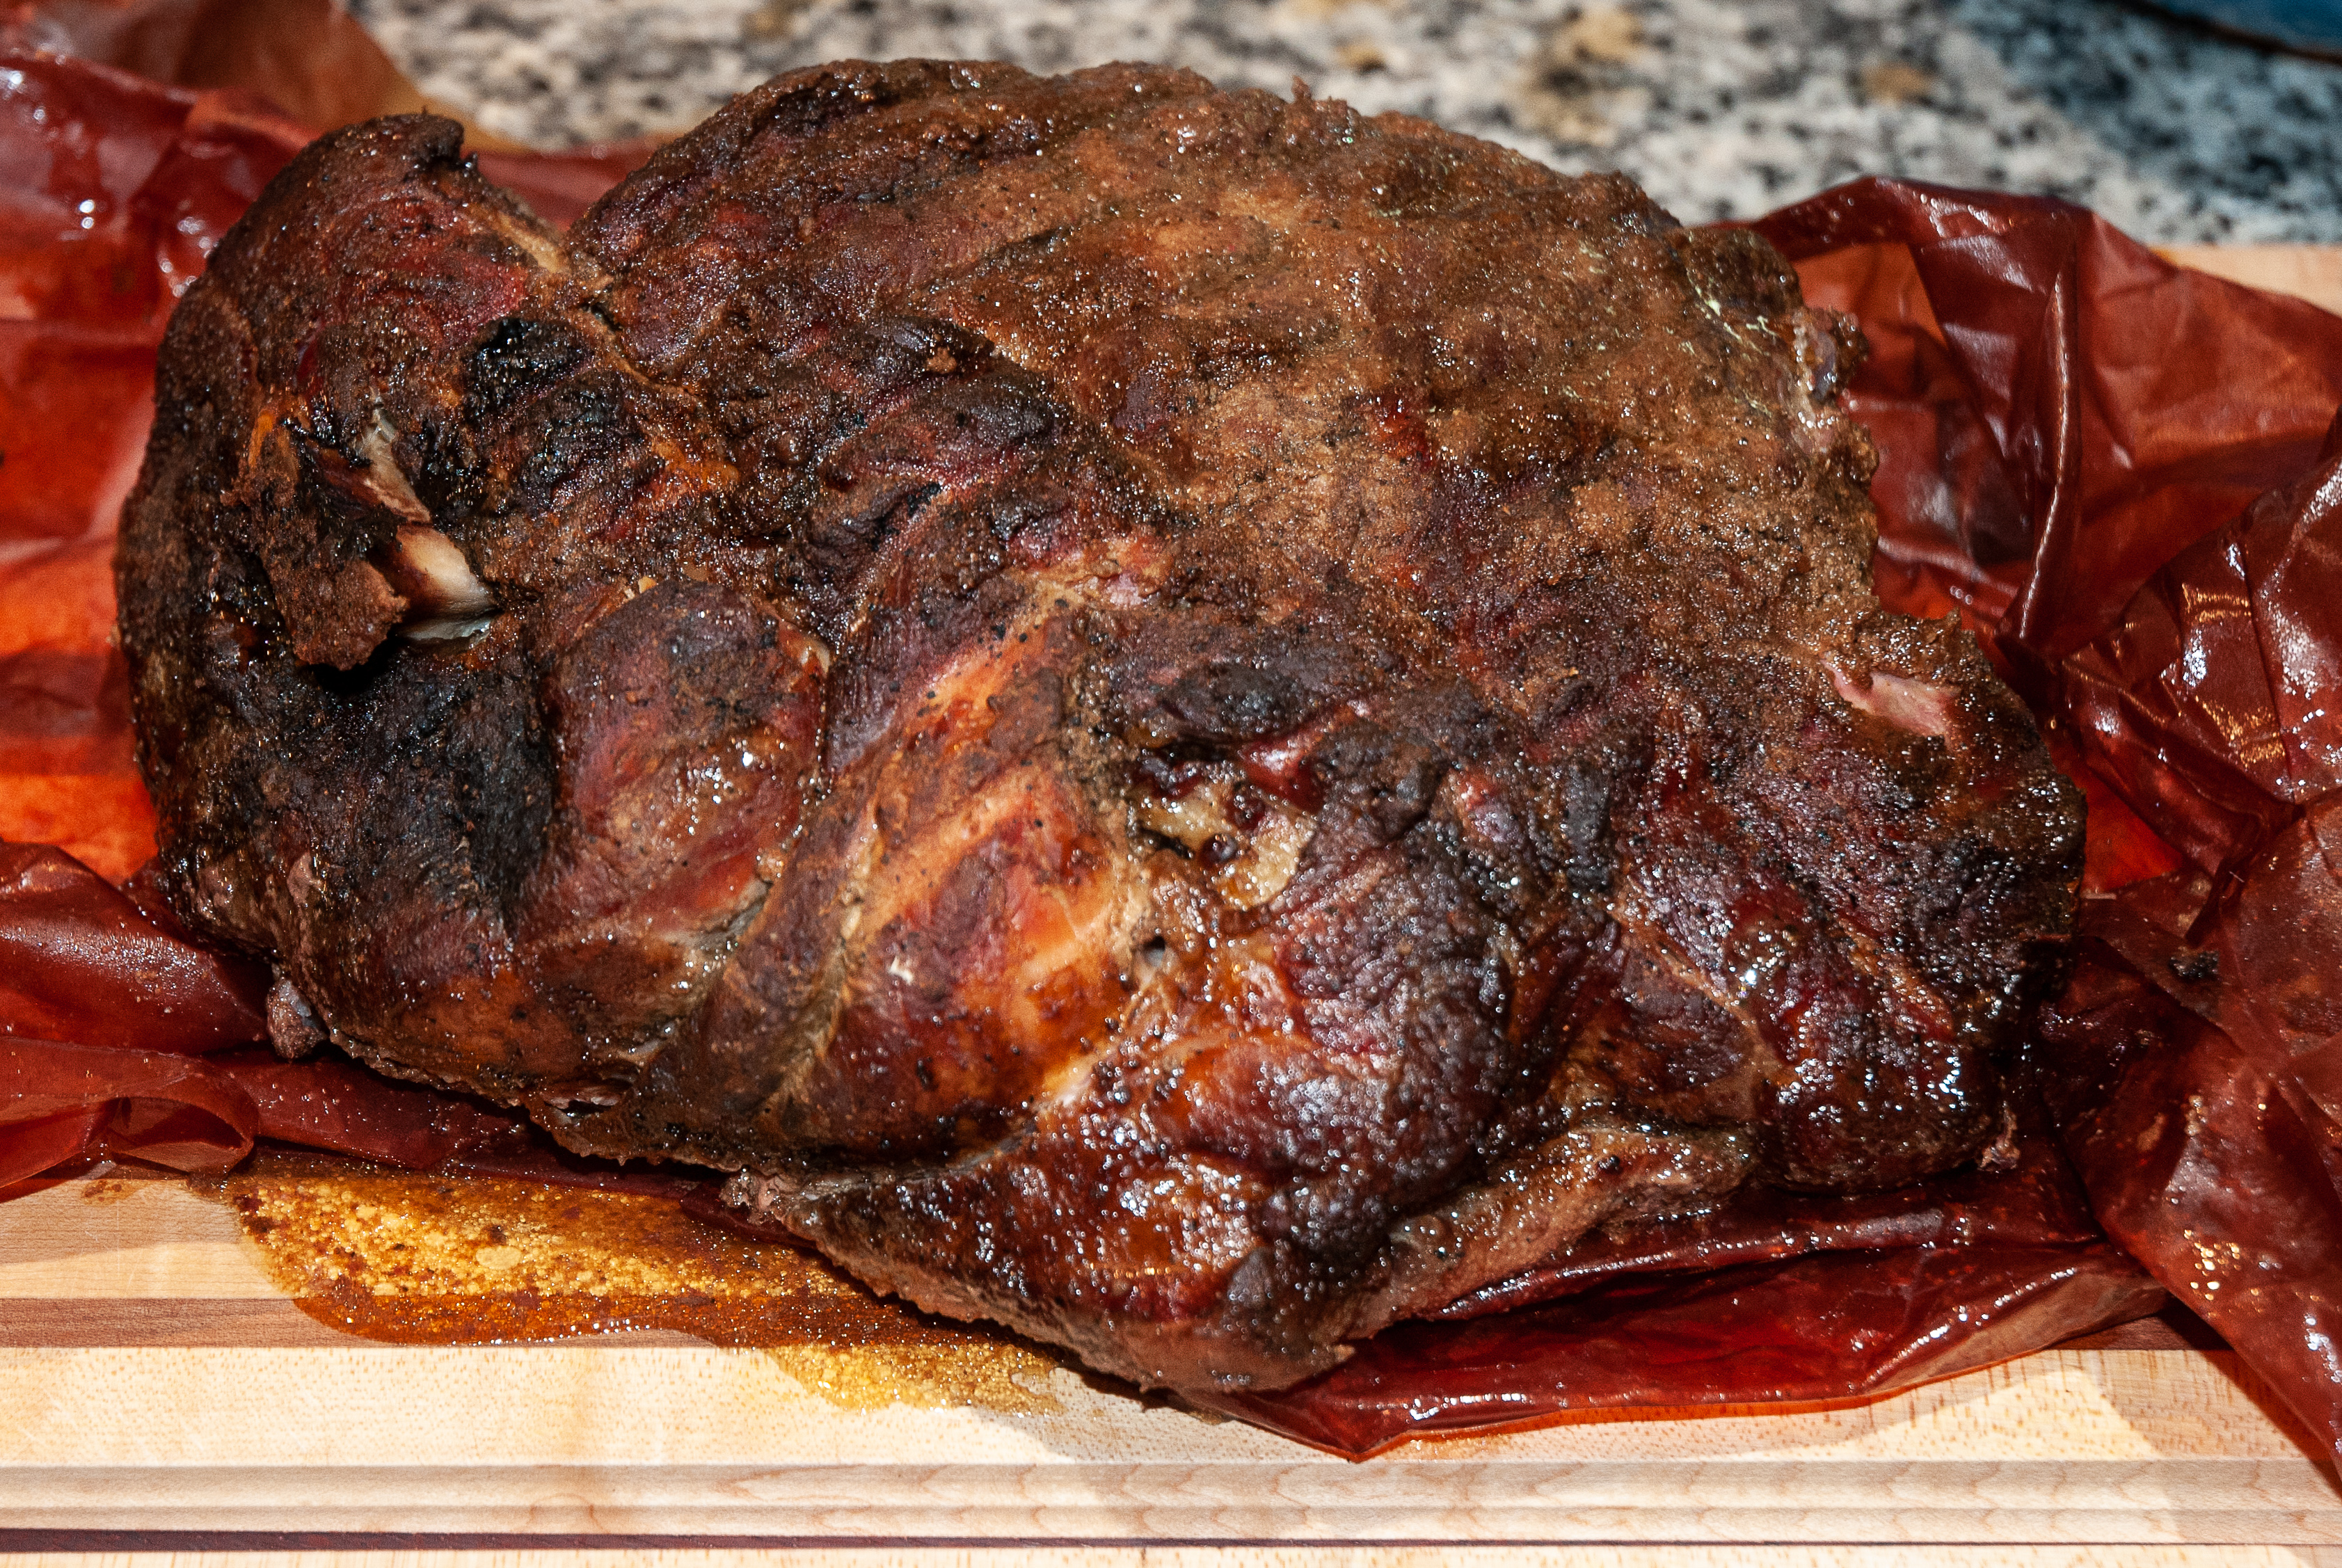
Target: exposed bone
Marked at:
446, 599
430, 572
1918, 706
384, 479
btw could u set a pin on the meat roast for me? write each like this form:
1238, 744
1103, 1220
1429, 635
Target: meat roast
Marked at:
1189, 722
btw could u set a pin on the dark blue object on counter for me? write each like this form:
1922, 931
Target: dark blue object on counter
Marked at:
2305, 23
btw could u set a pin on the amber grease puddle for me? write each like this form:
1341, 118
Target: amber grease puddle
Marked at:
473, 1260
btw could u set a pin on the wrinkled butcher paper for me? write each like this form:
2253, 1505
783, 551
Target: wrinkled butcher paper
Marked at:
2125, 477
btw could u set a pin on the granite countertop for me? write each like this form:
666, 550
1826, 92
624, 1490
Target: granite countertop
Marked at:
1721, 108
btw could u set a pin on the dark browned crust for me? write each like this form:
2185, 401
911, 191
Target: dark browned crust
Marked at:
1191, 722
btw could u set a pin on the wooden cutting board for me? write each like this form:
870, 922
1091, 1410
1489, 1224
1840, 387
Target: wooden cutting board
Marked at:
156, 1377
2313, 273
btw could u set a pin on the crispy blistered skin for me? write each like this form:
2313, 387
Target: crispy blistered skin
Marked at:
1191, 722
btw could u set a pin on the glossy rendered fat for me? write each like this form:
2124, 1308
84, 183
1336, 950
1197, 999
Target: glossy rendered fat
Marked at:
1189, 722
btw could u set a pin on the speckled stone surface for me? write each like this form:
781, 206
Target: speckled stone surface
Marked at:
1721, 108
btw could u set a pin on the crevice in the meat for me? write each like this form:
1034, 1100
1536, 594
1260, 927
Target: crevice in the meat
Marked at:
520, 358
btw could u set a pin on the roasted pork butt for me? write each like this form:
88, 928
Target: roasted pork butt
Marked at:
1190, 722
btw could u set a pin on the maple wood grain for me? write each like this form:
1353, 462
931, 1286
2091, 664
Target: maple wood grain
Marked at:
153, 1380
2313, 273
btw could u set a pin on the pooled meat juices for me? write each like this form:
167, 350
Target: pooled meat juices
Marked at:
1191, 723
